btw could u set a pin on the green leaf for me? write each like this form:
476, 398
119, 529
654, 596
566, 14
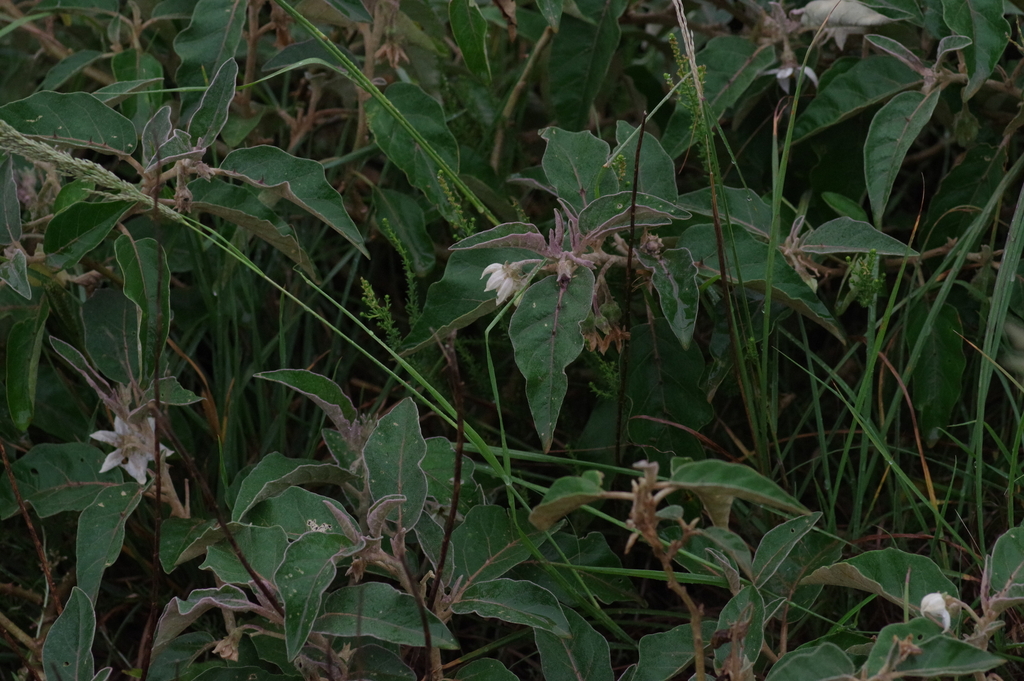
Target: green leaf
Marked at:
675, 278
846, 235
962, 192
68, 67
485, 670
101, 533
818, 663
57, 477
179, 654
301, 181
458, 299
582, 656
407, 220
78, 229
295, 510
263, 548
870, 81
552, 11
589, 558
147, 283
112, 335
938, 377
241, 206
746, 606
375, 663
134, 65
10, 206
845, 206
982, 21
657, 175
581, 53
382, 612
667, 654
787, 286
209, 119
76, 119
179, 614
893, 129
951, 43
14, 273
115, 93
392, 458
565, 496
486, 545
308, 569
182, 539
427, 117
717, 483
324, 392
72, 193
777, 544
664, 383
514, 601
106, 6
573, 163
439, 467
24, 345
353, 9
470, 30
885, 573
611, 212
1007, 571
940, 655
211, 38
745, 208
275, 473
546, 336
67, 652
506, 235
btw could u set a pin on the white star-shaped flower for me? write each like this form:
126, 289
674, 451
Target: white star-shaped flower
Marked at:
134, 447
788, 73
504, 278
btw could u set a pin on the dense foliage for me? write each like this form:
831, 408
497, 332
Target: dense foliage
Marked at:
593, 340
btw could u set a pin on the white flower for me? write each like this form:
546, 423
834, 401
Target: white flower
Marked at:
788, 73
933, 606
504, 278
134, 443
845, 18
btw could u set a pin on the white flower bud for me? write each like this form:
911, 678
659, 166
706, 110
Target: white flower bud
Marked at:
933, 606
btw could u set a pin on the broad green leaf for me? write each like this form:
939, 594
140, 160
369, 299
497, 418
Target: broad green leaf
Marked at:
72, 193
211, 38
938, 377
675, 278
746, 606
745, 208
10, 207
817, 663
581, 53
427, 117
324, 392
392, 458
458, 299
76, 119
612, 212
78, 229
940, 655
581, 656
439, 467
134, 65
301, 181
845, 206
565, 496
115, 93
409, 224
552, 11
240, 205
777, 544
589, 558
546, 336
664, 383
179, 614
506, 235
380, 611
296, 510
870, 81
172, 392
893, 129
275, 473
375, 663
667, 654
908, 10
657, 175
847, 235
717, 483
24, 345
263, 548
717, 539
514, 601
67, 67
57, 477
1007, 571
112, 335
885, 573
147, 283
179, 654
67, 651
573, 163
353, 9
101, 533
898, 50
787, 286
951, 43
485, 670
486, 545
14, 273
182, 539
306, 572
470, 30
209, 119
962, 192
982, 21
